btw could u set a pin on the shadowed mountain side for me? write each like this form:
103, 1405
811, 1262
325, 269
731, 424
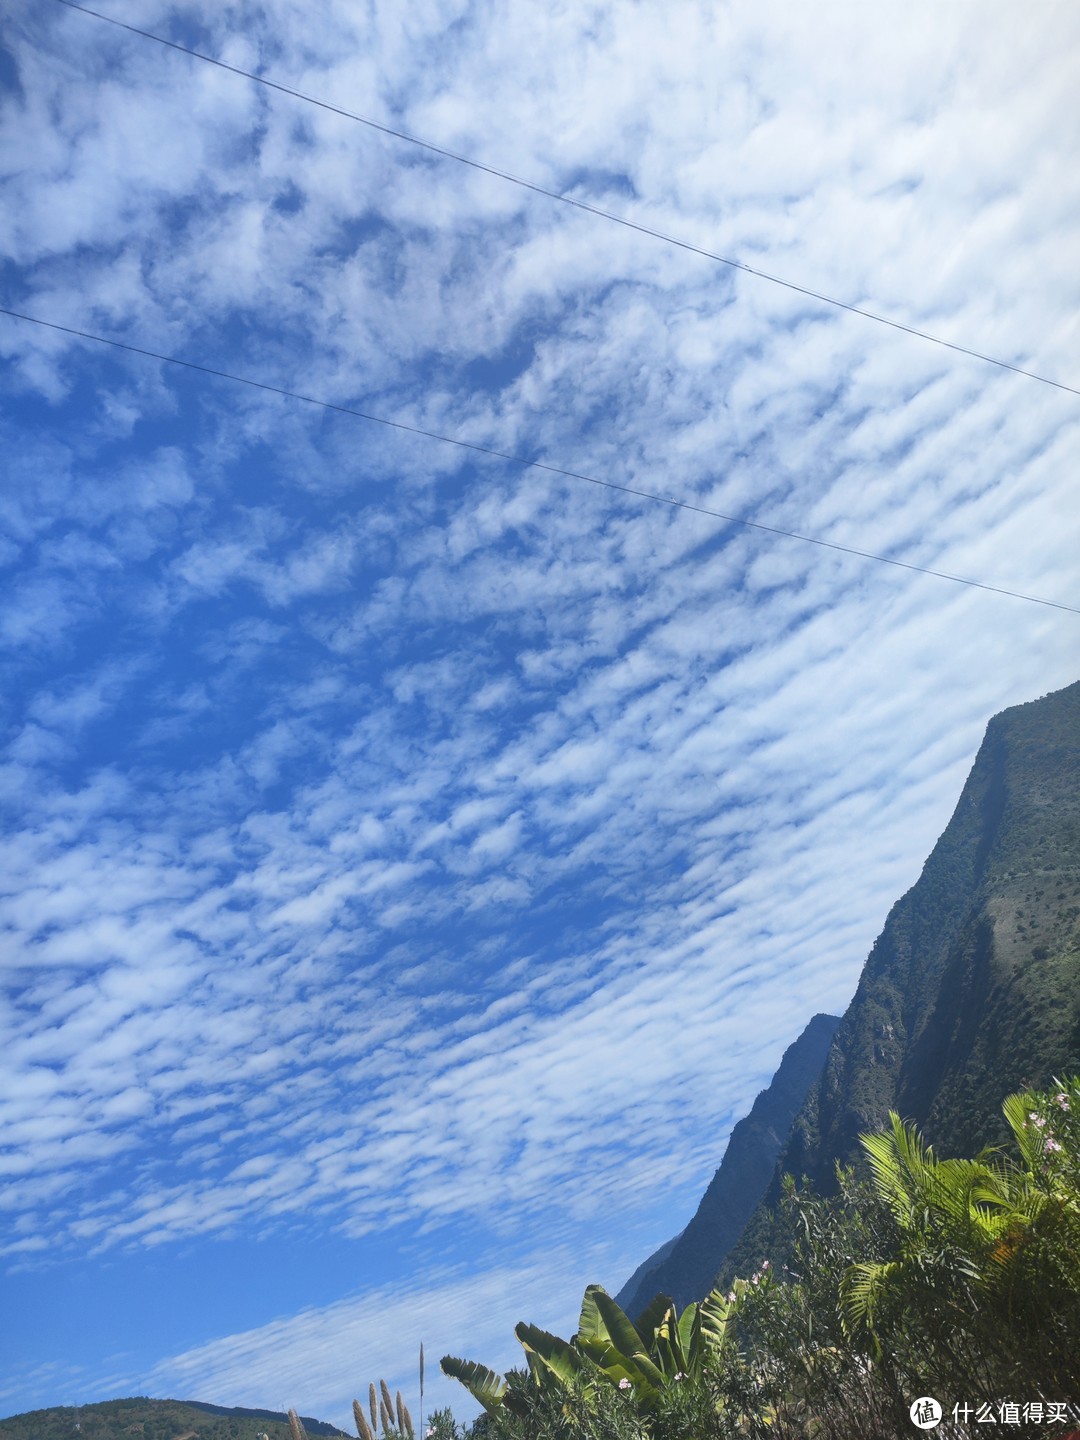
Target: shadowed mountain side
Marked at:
684, 1268
627, 1295
971, 991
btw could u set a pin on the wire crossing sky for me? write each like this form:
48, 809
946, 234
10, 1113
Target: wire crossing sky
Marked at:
412, 868
537, 464
570, 200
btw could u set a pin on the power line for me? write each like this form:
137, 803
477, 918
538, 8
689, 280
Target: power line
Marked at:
527, 464
596, 210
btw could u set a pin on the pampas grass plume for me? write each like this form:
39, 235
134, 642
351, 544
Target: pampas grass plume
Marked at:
363, 1429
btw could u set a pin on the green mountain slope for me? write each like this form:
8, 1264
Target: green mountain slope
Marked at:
138, 1418
971, 991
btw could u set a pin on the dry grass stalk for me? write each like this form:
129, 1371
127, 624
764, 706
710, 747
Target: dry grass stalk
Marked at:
295, 1426
409, 1431
372, 1406
386, 1425
399, 1410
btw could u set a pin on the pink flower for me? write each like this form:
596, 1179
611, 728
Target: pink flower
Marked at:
1051, 1144
1062, 1100
624, 1384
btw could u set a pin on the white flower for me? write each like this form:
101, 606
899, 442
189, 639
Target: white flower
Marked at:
624, 1384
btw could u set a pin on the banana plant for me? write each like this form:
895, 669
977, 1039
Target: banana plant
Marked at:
643, 1357
683, 1344
608, 1338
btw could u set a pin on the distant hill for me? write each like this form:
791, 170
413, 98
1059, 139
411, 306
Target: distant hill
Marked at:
684, 1268
972, 990
155, 1420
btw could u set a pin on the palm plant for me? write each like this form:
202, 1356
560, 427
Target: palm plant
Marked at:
984, 1280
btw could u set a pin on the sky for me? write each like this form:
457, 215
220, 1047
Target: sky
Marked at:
415, 861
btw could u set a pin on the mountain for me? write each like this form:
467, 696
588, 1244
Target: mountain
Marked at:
684, 1267
154, 1420
627, 1296
972, 990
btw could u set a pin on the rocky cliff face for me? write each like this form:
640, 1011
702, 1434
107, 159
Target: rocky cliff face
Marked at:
973, 988
685, 1266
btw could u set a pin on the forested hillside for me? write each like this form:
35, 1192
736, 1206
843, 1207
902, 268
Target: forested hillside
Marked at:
139, 1418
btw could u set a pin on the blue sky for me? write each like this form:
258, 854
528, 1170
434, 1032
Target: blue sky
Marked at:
413, 864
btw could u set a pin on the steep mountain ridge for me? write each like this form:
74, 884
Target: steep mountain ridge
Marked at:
627, 1296
971, 991
739, 1182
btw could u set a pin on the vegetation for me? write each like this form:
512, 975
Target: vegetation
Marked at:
953, 1278
956, 1278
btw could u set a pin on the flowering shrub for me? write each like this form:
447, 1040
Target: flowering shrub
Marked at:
1051, 1140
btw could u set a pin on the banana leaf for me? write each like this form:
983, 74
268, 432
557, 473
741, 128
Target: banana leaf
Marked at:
482, 1384
558, 1357
651, 1318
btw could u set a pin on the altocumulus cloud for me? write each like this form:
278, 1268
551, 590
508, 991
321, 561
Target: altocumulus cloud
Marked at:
413, 864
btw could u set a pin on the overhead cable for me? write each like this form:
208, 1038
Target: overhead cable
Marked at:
527, 464
564, 199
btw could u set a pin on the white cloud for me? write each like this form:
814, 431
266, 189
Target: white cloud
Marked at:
320, 1359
